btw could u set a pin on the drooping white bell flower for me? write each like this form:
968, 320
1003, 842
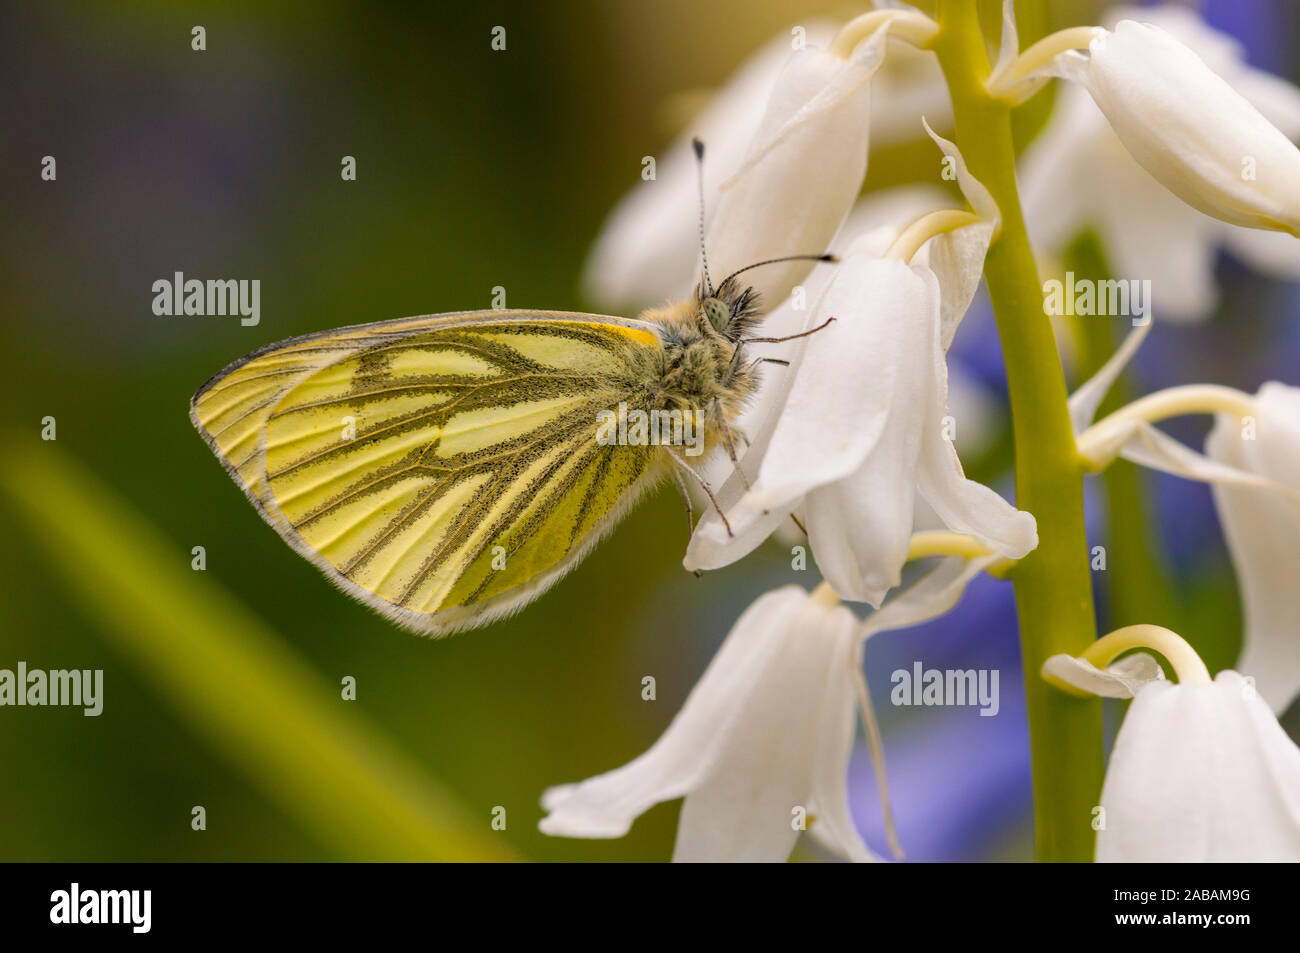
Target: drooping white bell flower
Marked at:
1201, 770
1189, 128
763, 739
648, 249
854, 428
802, 172
765, 736
1252, 459
1263, 533
1078, 175
1201, 773
872, 225
883, 214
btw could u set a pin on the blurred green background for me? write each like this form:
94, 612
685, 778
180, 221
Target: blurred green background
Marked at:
475, 169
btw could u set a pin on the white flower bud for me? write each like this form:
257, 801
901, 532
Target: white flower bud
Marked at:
1190, 129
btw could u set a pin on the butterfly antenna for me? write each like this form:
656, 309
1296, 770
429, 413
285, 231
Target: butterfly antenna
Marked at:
698, 146
827, 257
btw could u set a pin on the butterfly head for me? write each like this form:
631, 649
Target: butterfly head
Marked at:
730, 309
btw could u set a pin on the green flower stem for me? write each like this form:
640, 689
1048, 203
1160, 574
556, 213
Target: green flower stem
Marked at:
1053, 585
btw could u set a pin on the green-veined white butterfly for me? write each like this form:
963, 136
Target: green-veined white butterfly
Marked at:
445, 469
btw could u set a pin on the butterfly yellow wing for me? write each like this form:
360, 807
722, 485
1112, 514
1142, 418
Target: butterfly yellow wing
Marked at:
444, 470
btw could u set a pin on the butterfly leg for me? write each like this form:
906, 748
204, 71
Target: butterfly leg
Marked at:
735, 362
729, 441
730, 444
690, 507
705, 487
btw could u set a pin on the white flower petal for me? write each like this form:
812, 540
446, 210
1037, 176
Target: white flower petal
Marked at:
1152, 448
860, 528
804, 171
1263, 534
648, 250
832, 412
964, 505
836, 413
787, 534
745, 808
1201, 773
1277, 99
606, 805
712, 547
1190, 129
1277, 441
1220, 51
1008, 52
1088, 397
739, 717
1009, 44
1077, 175
957, 258
1121, 679
979, 197
970, 507
929, 597
829, 801
809, 86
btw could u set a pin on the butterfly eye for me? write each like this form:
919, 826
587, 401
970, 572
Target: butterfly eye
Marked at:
717, 312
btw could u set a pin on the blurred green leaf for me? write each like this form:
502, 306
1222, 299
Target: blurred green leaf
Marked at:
231, 676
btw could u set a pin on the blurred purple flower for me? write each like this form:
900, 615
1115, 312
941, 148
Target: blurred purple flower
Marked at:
1263, 27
